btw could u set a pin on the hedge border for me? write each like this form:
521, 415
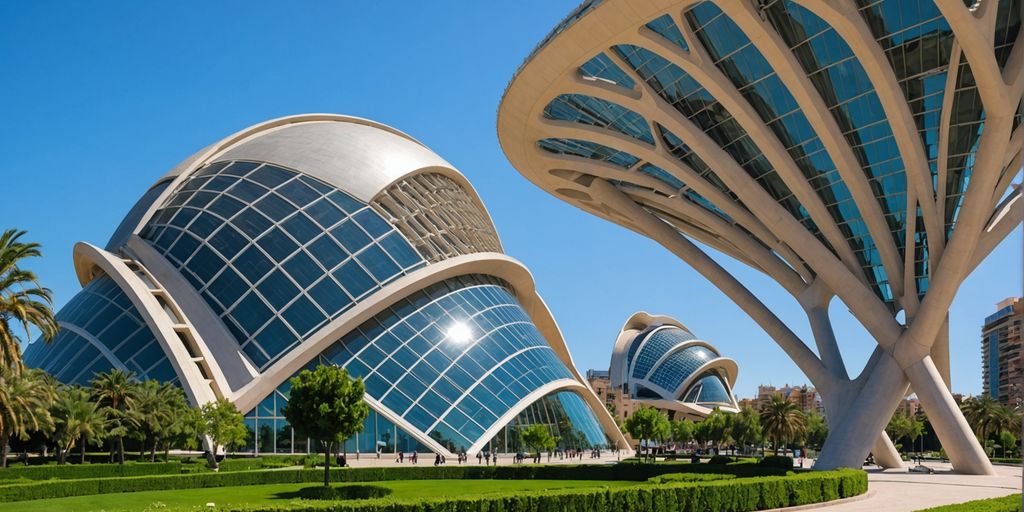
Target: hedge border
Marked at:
79, 471
757, 493
1010, 503
636, 472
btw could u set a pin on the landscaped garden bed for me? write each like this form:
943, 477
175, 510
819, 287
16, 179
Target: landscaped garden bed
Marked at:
640, 487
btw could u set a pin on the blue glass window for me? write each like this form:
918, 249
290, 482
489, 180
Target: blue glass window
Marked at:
423, 364
266, 229
72, 358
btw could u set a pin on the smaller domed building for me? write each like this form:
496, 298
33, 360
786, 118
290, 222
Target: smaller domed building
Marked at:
659, 362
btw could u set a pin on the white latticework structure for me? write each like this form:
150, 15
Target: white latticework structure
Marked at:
859, 149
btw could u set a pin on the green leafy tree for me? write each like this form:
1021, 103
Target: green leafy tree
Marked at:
1007, 441
23, 302
782, 421
115, 391
702, 433
718, 425
187, 430
900, 427
815, 431
225, 427
746, 428
25, 401
77, 419
648, 424
682, 431
326, 405
537, 437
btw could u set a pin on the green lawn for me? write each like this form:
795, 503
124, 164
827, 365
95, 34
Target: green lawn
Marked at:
151, 500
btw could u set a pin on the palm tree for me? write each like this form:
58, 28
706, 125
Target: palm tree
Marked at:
22, 301
77, 419
116, 392
983, 416
157, 406
782, 421
25, 400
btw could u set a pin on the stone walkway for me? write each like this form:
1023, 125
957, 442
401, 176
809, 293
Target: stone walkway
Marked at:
901, 491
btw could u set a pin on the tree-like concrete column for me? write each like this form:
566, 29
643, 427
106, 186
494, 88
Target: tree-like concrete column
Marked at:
783, 135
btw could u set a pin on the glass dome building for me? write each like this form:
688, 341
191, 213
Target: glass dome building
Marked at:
325, 239
658, 362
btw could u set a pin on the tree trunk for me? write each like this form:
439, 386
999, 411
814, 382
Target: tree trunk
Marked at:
152, 451
3, 441
85, 441
327, 464
120, 450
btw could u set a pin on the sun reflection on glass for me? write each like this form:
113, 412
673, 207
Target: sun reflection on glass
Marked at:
460, 332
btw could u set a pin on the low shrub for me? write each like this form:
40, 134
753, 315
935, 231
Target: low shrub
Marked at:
1011, 503
688, 477
343, 492
720, 459
243, 464
76, 471
777, 461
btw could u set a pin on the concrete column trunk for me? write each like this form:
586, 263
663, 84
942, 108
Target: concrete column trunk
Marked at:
963, 449
864, 418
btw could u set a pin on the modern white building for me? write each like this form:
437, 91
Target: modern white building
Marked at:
658, 362
324, 239
861, 151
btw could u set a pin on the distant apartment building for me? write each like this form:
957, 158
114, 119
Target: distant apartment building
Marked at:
805, 397
1002, 368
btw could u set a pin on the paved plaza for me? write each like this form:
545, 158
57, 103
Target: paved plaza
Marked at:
897, 490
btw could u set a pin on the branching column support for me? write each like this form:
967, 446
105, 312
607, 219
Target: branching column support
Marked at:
830, 378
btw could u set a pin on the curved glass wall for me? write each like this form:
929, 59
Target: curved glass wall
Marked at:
583, 109
655, 346
449, 359
100, 315
274, 253
755, 79
567, 417
708, 389
602, 68
679, 365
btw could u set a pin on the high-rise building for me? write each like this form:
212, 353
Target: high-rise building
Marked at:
864, 151
327, 240
1002, 375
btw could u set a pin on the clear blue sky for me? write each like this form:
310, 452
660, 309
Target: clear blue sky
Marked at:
101, 98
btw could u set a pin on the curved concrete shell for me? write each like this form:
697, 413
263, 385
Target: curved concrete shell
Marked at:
860, 150
324, 239
660, 363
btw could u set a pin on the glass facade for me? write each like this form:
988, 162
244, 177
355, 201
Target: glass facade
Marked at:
274, 253
662, 358
449, 359
755, 80
100, 315
917, 42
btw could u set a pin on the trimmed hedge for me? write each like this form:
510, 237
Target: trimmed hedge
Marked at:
1005, 460
715, 496
1011, 503
67, 472
634, 472
246, 464
343, 492
777, 461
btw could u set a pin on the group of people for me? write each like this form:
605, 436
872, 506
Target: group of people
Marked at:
413, 457
486, 458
